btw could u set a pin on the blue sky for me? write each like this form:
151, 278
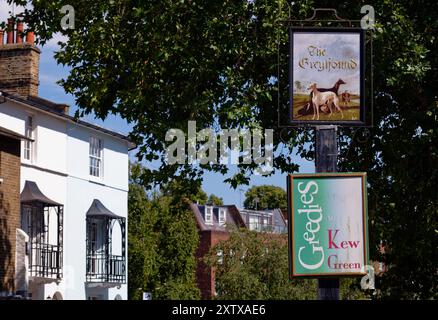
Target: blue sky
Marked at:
51, 72
336, 48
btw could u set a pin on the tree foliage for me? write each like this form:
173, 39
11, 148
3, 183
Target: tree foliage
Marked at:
158, 64
162, 240
215, 200
265, 197
255, 266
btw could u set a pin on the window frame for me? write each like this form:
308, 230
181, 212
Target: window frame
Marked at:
254, 223
98, 159
210, 220
223, 221
28, 152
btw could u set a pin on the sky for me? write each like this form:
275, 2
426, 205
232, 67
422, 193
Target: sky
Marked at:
337, 48
51, 72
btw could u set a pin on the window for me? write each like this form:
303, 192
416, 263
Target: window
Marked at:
209, 215
95, 157
93, 238
265, 226
253, 223
92, 247
28, 145
222, 216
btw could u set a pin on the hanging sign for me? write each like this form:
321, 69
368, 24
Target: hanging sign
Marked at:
326, 72
327, 224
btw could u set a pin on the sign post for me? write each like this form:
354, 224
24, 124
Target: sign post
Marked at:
326, 157
327, 210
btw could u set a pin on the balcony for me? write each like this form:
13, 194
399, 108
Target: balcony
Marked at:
45, 261
106, 246
103, 268
42, 221
268, 228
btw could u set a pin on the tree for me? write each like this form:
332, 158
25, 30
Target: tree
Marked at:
255, 266
298, 85
159, 64
265, 197
215, 200
143, 257
162, 241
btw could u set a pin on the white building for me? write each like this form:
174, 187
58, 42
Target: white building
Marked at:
74, 190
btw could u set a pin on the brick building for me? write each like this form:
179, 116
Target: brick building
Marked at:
215, 223
10, 143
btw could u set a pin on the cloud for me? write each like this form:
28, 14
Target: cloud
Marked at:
52, 44
5, 13
336, 49
6, 9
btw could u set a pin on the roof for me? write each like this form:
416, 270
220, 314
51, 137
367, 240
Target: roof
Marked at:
11, 134
31, 193
58, 110
232, 218
97, 209
276, 219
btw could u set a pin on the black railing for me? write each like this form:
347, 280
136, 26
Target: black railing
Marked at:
106, 268
45, 261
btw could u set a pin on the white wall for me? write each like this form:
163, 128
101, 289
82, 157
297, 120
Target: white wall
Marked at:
81, 194
49, 133
12, 117
61, 170
115, 157
51, 143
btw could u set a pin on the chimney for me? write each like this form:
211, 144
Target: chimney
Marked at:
10, 30
19, 62
19, 34
30, 37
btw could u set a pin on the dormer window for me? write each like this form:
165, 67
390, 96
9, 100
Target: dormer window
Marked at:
209, 215
222, 216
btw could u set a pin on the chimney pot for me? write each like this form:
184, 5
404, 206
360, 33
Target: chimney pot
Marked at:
30, 37
10, 31
1, 37
19, 36
22, 63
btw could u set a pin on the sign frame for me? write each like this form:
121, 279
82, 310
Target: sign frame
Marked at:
361, 121
290, 211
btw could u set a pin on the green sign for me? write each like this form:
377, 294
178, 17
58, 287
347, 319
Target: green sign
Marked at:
327, 224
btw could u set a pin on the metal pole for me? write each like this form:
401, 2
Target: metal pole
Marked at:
326, 156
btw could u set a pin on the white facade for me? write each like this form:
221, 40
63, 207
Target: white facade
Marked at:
60, 166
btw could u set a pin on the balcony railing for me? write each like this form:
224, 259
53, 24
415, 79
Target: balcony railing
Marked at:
270, 228
106, 268
45, 261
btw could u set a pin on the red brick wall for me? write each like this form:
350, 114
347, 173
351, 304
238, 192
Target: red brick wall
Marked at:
9, 209
205, 274
19, 69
